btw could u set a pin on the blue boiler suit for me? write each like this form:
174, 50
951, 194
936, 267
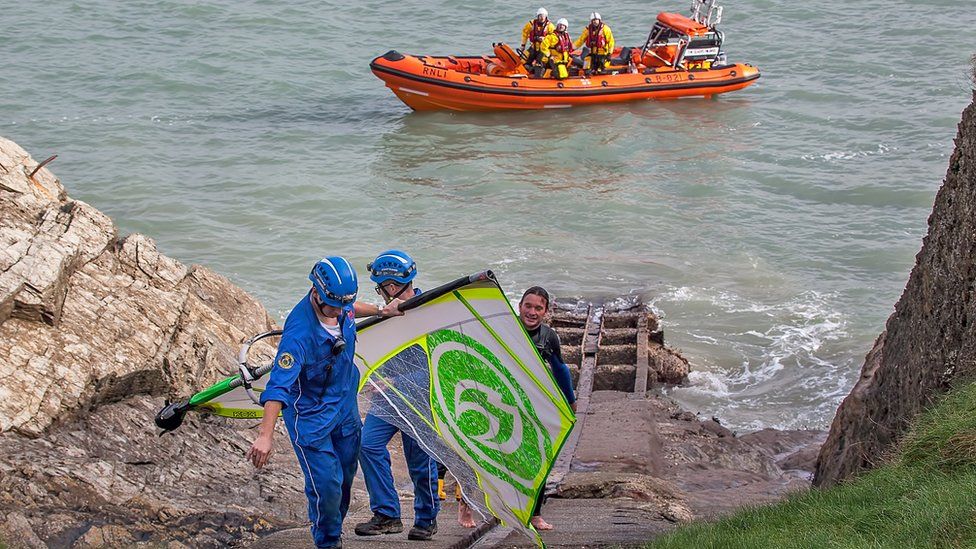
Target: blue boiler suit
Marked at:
318, 392
377, 469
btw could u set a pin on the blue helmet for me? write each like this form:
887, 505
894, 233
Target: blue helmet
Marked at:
392, 265
335, 281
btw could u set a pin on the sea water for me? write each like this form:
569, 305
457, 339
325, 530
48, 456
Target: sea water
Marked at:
773, 228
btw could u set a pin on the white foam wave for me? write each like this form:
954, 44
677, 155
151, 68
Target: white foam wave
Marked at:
623, 302
809, 324
849, 155
782, 350
807, 305
705, 338
709, 383
683, 293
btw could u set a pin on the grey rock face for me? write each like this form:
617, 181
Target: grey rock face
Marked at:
95, 477
19, 533
929, 343
91, 321
87, 318
667, 364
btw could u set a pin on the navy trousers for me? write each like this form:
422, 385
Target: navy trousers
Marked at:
377, 470
329, 469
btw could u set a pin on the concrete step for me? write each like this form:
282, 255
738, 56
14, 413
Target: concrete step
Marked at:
614, 377
619, 336
617, 354
570, 336
572, 354
621, 320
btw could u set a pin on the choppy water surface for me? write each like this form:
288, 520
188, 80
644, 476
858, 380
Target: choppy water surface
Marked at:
774, 228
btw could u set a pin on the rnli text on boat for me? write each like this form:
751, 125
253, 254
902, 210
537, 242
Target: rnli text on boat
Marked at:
431, 71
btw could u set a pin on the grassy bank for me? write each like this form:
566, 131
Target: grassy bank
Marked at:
924, 497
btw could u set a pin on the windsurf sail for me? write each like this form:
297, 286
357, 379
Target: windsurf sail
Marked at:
457, 373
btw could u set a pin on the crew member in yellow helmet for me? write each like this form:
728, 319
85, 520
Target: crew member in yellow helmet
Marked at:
598, 38
533, 33
557, 51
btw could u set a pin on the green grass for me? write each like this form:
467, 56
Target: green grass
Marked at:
924, 497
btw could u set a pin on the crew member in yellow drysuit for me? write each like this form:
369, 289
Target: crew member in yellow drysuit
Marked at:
598, 38
533, 33
557, 51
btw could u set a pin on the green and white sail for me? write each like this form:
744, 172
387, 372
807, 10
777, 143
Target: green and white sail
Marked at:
486, 405
459, 374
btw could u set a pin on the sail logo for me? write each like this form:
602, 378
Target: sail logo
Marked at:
484, 412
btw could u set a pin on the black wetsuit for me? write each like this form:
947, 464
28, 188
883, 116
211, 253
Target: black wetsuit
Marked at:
546, 341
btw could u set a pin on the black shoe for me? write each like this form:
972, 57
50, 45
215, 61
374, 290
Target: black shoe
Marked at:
338, 545
419, 533
379, 524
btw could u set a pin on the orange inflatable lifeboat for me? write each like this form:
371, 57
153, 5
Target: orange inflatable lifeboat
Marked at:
682, 57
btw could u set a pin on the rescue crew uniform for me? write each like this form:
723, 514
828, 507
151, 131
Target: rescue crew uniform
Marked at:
316, 381
377, 467
599, 40
533, 33
556, 50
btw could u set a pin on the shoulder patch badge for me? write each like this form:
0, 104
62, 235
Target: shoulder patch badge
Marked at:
286, 361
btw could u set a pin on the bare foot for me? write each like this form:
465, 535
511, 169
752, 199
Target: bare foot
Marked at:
465, 518
540, 524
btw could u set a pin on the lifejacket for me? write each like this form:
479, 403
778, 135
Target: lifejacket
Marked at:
565, 44
596, 38
538, 31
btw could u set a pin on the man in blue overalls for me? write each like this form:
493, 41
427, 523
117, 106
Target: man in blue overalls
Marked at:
393, 272
313, 385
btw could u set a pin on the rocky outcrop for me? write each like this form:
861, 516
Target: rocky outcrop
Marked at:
667, 499
87, 317
88, 323
666, 365
929, 342
107, 476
